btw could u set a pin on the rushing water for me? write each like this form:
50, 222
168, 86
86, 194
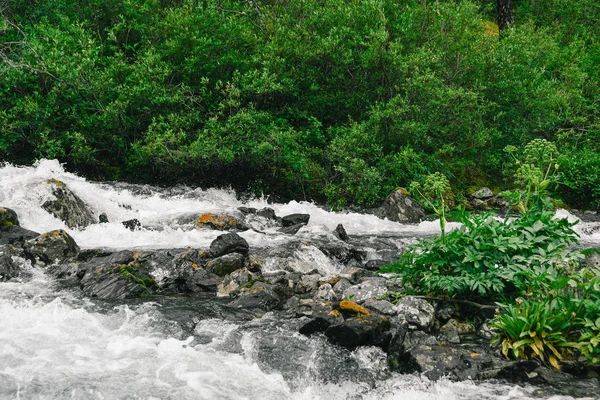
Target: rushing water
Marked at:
56, 344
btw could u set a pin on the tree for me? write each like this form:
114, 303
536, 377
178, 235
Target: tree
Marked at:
505, 15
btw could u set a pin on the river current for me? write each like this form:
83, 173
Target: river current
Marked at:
57, 344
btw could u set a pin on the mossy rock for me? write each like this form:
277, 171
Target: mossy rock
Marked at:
8, 217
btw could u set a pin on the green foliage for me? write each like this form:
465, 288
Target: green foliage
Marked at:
490, 259
433, 194
541, 329
342, 101
535, 171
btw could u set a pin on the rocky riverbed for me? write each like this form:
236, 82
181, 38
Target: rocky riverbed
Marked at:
309, 299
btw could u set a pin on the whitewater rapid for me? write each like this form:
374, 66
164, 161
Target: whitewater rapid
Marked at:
57, 344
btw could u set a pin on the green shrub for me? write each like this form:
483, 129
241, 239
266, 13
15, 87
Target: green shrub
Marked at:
490, 259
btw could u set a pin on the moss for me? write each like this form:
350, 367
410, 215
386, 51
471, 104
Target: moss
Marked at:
128, 271
251, 282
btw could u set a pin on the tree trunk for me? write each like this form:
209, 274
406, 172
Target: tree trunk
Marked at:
505, 15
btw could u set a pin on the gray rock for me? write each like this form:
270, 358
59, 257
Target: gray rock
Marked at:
295, 219
68, 207
374, 265
451, 331
307, 283
15, 234
372, 330
400, 207
368, 289
485, 331
354, 274
381, 307
416, 312
225, 264
340, 233
262, 296
11, 260
483, 193
325, 293
51, 247
292, 229
234, 281
228, 243
340, 286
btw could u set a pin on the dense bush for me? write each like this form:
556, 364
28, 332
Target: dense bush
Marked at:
342, 100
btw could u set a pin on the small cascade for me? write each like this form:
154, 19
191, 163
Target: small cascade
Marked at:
58, 342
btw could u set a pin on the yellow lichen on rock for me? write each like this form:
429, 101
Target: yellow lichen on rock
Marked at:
334, 313
56, 182
218, 221
352, 306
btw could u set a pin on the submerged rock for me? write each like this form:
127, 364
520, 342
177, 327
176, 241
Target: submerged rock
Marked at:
11, 260
14, 234
68, 207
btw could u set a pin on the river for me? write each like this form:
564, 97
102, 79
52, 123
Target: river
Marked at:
57, 344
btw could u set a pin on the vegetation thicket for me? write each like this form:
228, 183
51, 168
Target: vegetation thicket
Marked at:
340, 101
549, 301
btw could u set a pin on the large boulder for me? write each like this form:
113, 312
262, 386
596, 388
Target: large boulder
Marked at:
399, 207
68, 207
225, 264
51, 247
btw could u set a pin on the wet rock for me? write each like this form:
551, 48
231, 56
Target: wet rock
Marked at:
354, 274
592, 259
267, 213
416, 312
220, 222
229, 243
486, 331
122, 281
201, 280
340, 286
399, 207
371, 330
261, 295
340, 233
247, 210
291, 230
132, 224
295, 219
381, 307
451, 331
307, 283
15, 234
457, 363
11, 261
325, 293
53, 246
374, 265
234, 281
8, 217
370, 288
225, 264
68, 207
103, 218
